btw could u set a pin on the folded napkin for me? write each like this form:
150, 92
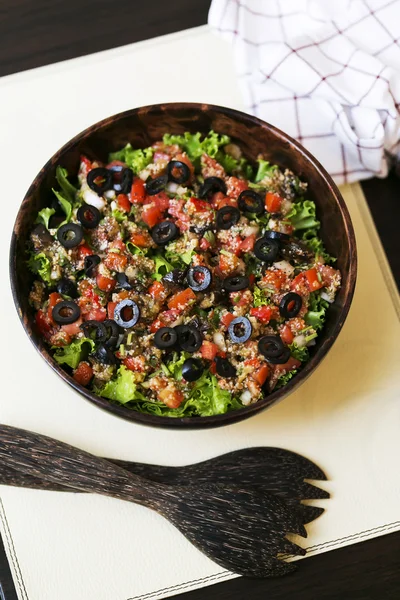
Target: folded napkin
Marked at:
327, 73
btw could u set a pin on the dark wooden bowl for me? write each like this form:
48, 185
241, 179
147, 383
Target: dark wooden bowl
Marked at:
142, 127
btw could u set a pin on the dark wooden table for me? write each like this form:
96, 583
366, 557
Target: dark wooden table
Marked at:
39, 32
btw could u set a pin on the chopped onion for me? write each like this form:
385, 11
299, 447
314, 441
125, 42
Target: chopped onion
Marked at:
93, 199
327, 297
246, 397
220, 341
181, 190
233, 150
113, 205
300, 340
110, 194
285, 266
172, 187
250, 230
286, 206
312, 342
145, 174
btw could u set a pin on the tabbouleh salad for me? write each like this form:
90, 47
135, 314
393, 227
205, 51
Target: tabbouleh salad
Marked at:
180, 279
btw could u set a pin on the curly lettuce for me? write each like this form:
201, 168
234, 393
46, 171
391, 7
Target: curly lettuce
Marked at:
195, 144
65, 205
123, 388
260, 297
285, 378
40, 265
162, 267
44, 216
67, 188
137, 159
303, 215
264, 169
316, 311
72, 354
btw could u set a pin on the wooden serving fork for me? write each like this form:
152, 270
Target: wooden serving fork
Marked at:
238, 527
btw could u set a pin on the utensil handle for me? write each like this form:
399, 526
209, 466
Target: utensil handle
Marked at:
46, 458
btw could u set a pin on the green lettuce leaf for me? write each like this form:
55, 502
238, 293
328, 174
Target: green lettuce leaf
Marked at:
209, 399
118, 215
316, 311
283, 379
303, 215
175, 365
73, 354
195, 146
136, 250
40, 264
310, 237
162, 267
302, 354
65, 205
44, 216
264, 169
137, 160
260, 297
178, 260
67, 188
123, 389
230, 164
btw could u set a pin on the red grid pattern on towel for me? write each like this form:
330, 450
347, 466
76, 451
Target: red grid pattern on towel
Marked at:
356, 133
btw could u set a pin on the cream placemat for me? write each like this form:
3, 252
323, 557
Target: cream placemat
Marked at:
346, 416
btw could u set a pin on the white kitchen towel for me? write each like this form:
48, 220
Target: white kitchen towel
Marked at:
346, 416
326, 72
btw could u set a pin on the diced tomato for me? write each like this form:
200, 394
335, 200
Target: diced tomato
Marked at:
312, 279
123, 203
141, 239
86, 164
161, 200
157, 291
54, 298
286, 334
219, 200
118, 244
261, 374
275, 279
235, 186
262, 313
180, 300
199, 205
151, 215
248, 243
105, 284
204, 244
84, 250
96, 314
328, 274
209, 350
300, 285
110, 309
156, 325
83, 373
72, 328
233, 245
43, 323
272, 202
227, 319
138, 191
134, 363
213, 368
171, 397
252, 278
115, 262
228, 264
291, 364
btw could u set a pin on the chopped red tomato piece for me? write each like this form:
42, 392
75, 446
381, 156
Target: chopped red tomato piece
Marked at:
84, 250
73, 328
134, 363
235, 186
86, 164
123, 203
209, 350
83, 373
227, 319
204, 244
261, 374
141, 239
54, 298
199, 205
156, 325
157, 291
286, 335
248, 243
161, 200
96, 314
43, 323
110, 309
290, 365
180, 300
275, 279
312, 279
262, 313
272, 202
115, 262
105, 284
151, 215
228, 264
171, 397
138, 191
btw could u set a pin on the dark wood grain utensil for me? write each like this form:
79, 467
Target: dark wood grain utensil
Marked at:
239, 528
272, 470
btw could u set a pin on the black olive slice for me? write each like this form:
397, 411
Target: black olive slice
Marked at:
100, 173
165, 337
189, 338
155, 186
70, 235
227, 217
164, 232
94, 330
276, 235
112, 333
224, 368
90, 263
240, 330
266, 249
175, 277
296, 250
67, 287
235, 283
290, 305
274, 350
123, 282
192, 369
125, 180
251, 202
126, 313
199, 278
89, 216
211, 185
183, 171
65, 312
104, 355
